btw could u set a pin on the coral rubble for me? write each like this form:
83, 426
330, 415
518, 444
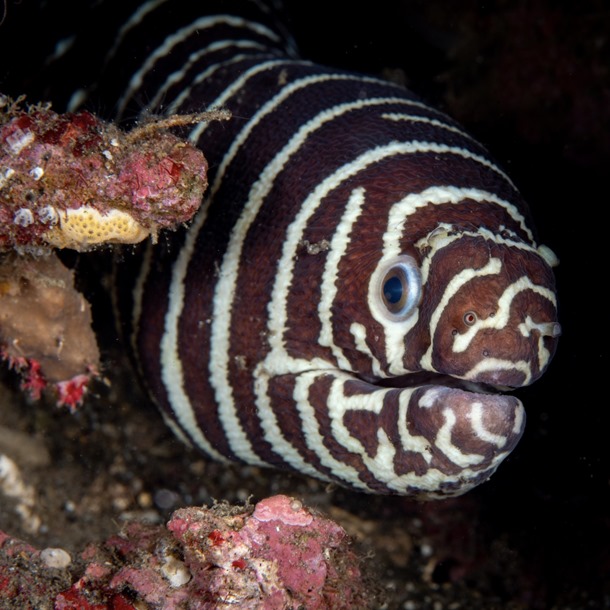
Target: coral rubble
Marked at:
277, 555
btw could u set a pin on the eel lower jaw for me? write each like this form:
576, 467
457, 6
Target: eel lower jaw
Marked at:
470, 427
459, 430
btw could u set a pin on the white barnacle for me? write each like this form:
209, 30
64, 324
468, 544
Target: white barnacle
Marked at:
37, 172
23, 217
48, 215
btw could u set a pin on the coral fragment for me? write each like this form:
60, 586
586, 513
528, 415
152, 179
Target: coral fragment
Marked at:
74, 181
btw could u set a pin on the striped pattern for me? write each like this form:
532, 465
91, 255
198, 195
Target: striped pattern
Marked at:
274, 330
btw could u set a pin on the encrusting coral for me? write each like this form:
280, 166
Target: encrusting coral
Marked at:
74, 181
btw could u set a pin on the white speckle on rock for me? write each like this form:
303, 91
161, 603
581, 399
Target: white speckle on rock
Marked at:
9, 172
426, 550
175, 571
55, 558
37, 173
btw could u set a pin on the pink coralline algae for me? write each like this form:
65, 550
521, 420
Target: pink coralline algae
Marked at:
74, 181
280, 556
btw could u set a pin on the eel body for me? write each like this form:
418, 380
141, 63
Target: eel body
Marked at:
362, 283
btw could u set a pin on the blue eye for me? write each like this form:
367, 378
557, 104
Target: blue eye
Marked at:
396, 288
393, 290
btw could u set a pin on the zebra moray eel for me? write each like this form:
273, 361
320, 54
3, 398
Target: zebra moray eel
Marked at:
362, 281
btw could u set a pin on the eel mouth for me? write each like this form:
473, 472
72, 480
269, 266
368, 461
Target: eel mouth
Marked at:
425, 378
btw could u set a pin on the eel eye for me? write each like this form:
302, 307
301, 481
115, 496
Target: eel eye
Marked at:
396, 288
470, 318
394, 291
